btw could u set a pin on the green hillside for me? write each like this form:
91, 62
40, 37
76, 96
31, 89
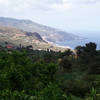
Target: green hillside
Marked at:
27, 74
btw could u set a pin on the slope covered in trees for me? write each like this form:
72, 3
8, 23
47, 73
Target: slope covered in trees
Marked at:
47, 75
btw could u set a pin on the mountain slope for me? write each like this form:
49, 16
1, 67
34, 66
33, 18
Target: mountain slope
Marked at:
48, 33
16, 37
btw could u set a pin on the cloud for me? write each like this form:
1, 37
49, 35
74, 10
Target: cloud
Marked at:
61, 6
42, 5
26, 6
39, 6
81, 1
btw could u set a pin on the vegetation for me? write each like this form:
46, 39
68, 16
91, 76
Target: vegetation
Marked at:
27, 74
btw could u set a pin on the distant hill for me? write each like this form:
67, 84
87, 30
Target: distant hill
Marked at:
47, 33
16, 37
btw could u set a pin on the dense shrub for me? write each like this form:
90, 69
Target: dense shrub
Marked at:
47, 75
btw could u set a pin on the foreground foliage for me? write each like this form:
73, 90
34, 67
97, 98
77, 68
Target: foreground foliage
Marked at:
46, 75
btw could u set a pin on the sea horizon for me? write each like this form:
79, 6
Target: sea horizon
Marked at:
87, 37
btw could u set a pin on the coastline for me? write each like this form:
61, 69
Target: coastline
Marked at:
57, 45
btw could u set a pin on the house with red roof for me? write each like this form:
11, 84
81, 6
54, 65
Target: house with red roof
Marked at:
10, 47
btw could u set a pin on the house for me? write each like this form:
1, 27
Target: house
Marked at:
9, 47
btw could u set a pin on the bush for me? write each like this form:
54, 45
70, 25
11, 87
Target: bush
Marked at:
76, 87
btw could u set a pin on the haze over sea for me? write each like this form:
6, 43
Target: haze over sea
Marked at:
90, 36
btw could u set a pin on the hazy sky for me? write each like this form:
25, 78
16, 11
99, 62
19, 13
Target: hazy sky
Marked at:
63, 14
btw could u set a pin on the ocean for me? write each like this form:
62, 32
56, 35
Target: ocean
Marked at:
88, 37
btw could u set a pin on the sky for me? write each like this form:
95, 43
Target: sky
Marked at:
69, 15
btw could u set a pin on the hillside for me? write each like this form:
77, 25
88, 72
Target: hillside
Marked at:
47, 75
17, 37
48, 33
